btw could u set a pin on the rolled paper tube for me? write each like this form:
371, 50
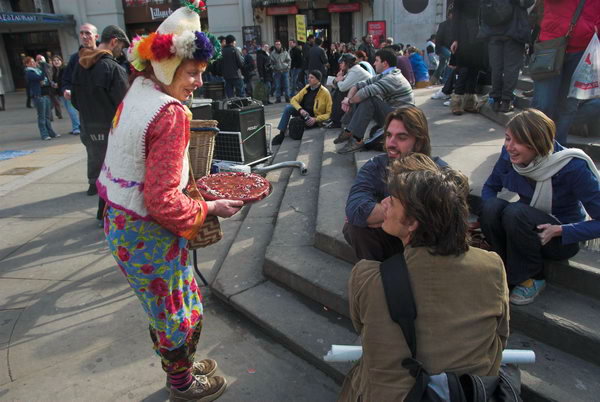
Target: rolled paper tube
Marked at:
348, 353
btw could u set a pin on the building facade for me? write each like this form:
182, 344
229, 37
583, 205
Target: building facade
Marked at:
48, 27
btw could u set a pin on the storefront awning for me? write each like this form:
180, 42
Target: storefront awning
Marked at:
10, 21
266, 3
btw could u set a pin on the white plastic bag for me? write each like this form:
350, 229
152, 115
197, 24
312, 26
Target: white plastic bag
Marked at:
584, 83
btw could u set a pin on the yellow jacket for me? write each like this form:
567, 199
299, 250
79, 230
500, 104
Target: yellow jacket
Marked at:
323, 103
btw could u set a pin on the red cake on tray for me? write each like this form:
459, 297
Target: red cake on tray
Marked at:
247, 187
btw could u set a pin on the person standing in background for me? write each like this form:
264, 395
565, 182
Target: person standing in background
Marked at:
2, 102
296, 66
280, 59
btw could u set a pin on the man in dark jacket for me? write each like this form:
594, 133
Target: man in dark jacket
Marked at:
317, 58
99, 86
368, 48
310, 42
88, 36
265, 73
296, 67
233, 63
506, 47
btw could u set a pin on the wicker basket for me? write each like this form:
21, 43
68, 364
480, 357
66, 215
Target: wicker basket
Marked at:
202, 145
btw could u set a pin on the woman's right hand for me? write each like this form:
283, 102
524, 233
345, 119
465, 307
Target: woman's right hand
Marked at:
224, 208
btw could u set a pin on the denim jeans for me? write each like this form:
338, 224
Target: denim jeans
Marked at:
73, 114
234, 83
287, 114
550, 96
294, 73
440, 72
43, 105
282, 84
511, 230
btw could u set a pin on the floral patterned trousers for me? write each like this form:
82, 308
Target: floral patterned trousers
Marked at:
155, 264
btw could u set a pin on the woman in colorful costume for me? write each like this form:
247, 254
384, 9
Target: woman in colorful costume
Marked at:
149, 219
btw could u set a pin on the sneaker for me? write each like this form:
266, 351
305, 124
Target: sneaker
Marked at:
92, 190
522, 295
203, 389
278, 139
206, 367
440, 95
447, 103
351, 146
46, 138
342, 137
278, 100
76, 132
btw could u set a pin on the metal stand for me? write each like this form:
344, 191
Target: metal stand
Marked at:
195, 257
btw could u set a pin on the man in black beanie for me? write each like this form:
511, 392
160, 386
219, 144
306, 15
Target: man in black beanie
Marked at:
312, 103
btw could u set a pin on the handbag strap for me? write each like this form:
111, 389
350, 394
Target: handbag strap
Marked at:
399, 297
575, 17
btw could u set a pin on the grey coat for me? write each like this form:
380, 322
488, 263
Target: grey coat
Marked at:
280, 60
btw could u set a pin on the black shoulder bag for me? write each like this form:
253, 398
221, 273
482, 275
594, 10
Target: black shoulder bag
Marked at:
549, 55
464, 388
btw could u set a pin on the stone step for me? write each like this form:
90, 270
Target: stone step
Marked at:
563, 319
308, 329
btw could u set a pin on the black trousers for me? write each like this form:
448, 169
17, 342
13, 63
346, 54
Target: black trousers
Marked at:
372, 243
511, 230
337, 113
506, 58
466, 82
95, 146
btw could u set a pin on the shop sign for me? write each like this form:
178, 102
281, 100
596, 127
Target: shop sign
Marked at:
343, 7
282, 10
377, 29
136, 11
35, 18
301, 28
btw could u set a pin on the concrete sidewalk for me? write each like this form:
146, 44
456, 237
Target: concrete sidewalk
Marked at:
70, 327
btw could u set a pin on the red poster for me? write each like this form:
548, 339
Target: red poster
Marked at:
377, 29
343, 7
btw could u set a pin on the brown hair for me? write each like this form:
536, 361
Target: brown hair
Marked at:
27, 60
361, 54
533, 128
416, 124
411, 162
437, 200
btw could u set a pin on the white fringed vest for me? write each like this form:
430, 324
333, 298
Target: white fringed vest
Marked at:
121, 180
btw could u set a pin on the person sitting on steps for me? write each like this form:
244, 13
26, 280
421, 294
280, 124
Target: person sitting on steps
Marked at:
313, 103
373, 99
405, 131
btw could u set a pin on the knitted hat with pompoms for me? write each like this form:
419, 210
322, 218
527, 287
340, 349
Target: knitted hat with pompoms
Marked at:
179, 37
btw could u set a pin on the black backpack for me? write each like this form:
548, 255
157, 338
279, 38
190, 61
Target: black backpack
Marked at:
504, 387
296, 128
496, 12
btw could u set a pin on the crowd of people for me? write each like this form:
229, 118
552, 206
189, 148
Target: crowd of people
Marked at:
405, 206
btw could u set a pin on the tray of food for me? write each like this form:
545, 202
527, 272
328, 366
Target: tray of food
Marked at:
246, 187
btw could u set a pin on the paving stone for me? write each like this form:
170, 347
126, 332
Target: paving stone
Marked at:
22, 231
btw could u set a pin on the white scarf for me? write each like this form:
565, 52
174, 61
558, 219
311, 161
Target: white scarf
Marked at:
541, 170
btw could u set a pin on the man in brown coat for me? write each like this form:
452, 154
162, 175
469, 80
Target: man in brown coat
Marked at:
460, 292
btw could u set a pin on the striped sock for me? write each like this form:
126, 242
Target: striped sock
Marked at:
181, 381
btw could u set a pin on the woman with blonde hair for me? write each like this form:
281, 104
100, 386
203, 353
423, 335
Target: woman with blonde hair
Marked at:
557, 186
149, 218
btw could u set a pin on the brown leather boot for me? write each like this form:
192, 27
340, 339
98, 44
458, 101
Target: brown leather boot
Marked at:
456, 104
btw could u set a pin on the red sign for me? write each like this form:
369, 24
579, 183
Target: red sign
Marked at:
377, 29
282, 10
343, 7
